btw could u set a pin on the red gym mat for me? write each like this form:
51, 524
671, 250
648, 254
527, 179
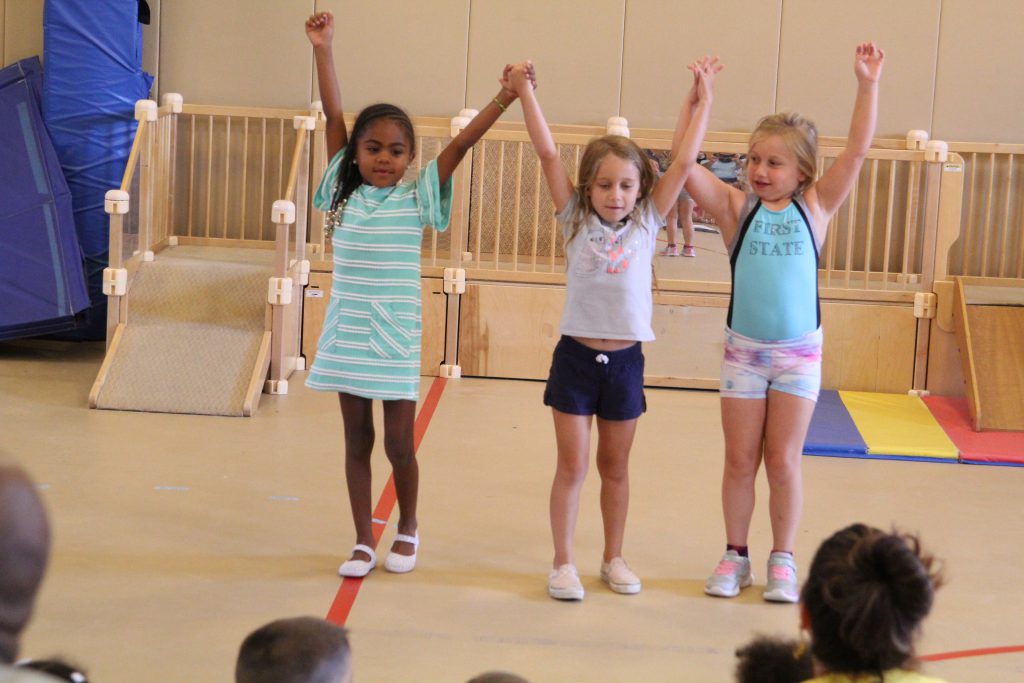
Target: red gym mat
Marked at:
978, 448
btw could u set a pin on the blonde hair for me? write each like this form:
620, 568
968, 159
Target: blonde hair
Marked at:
800, 137
593, 155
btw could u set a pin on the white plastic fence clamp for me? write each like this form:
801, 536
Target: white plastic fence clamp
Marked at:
145, 110
174, 102
936, 150
454, 280
467, 256
304, 123
116, 202
925, 304
283, 212
172, 241
450, 371
917, 139
462, 120
276, 386
279, 291
303, 268
115, 281
316, 110
617, 125
920, 393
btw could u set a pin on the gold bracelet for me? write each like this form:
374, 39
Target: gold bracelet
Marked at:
501, 106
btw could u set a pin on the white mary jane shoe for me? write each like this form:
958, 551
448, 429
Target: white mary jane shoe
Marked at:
401, 564
358, 568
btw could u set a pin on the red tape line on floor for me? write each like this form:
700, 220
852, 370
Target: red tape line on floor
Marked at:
349, 589
982, 652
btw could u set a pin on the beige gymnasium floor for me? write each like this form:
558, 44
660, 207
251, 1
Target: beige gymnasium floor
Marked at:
174, 536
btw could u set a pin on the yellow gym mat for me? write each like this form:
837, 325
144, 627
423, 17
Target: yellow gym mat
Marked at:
898, 426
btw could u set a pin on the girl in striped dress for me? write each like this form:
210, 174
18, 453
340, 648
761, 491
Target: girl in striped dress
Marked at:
370, 345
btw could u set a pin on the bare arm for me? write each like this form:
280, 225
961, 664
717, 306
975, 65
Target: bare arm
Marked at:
717, 198
686, 139
834, 186
453, 153
559, 184
320, 31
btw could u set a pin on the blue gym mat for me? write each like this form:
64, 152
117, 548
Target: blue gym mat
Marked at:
832, 431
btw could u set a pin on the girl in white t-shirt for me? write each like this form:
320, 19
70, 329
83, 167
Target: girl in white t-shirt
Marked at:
610, 221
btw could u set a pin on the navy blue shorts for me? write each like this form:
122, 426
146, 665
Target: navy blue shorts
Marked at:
585, 381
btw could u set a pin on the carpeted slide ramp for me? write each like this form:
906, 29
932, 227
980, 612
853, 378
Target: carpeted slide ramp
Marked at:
195, 334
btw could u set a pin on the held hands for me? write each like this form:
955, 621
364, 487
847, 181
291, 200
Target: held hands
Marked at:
516, 78
320, 29
704, 72
868, 63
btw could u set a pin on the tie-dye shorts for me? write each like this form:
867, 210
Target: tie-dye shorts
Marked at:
751, 367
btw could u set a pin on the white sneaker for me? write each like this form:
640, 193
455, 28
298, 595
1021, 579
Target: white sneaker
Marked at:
731, 574
564, 583
619, 577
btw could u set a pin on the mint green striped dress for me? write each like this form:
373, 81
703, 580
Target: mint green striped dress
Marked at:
370, 343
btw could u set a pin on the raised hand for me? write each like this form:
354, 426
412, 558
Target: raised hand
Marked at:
320, 29
868, 62
518, 77
704, 72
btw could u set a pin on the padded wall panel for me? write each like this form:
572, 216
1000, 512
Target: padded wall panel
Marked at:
575, 44
239, 52
93, 77
978, 88
663, 37
816, 61
423, 69
21, 27
41, 280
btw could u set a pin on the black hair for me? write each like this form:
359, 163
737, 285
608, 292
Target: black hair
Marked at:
866, 595
773, 660
349, 177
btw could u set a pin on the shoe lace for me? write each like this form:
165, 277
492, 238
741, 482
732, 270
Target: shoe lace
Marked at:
726, 568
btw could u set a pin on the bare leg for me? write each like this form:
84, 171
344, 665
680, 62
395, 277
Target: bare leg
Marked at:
671, 224
357, 416
743, 426
614, 440
785, 432
572, 434
399, 420
685, 211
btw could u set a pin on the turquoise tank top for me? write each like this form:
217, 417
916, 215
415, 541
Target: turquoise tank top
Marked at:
774, 261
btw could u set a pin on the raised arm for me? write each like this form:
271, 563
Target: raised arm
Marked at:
453, 153
559, 183
320, 31
835, 184
686, 139
717, 198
